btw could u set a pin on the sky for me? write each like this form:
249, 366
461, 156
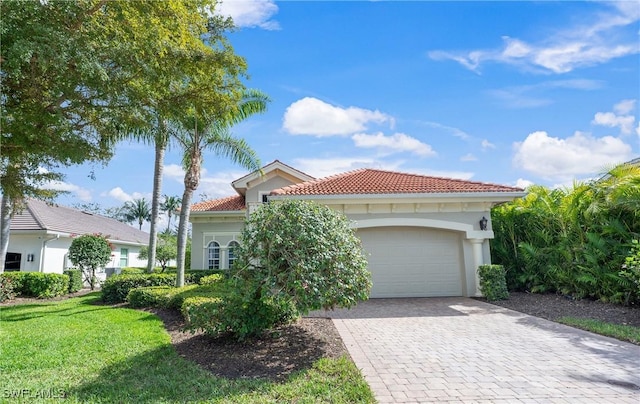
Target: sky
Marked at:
514, 93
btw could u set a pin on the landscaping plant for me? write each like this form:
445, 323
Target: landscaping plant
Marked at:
493, 284
88, 253
571, 241
296, 257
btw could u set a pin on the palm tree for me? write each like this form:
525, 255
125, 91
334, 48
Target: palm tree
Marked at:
139, 210
213, 135
170, 205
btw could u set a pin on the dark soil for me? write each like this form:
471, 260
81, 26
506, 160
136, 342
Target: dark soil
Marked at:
553, 307
273, 356
297, 346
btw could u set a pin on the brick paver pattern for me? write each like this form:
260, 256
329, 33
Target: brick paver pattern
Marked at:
460, 350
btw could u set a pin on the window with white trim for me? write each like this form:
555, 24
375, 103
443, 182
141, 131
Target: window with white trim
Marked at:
213, 250
231, 253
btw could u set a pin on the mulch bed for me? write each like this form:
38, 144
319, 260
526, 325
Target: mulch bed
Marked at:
274, 356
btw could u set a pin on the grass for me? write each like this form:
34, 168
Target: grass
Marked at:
621, 332
88, 353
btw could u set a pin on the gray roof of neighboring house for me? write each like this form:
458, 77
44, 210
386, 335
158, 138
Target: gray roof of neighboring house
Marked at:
39, 215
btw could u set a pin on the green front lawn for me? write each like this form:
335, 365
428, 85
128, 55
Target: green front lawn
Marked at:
621, 332
90, 353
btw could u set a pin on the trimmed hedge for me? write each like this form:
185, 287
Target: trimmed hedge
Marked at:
202, 313
170, 297
6, 289
116, 288
151, 296
493, 284
38, 284
75, 279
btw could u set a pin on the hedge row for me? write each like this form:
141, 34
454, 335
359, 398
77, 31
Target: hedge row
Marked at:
37, 284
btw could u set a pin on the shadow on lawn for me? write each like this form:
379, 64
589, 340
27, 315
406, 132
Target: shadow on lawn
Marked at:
46, 308
161, 375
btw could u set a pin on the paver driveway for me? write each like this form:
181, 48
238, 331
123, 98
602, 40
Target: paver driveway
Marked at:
463, 350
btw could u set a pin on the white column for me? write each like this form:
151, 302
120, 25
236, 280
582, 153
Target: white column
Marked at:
478, 260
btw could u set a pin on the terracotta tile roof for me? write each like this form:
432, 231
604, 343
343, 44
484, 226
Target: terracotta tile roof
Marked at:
370, 181
39, 215
229, 203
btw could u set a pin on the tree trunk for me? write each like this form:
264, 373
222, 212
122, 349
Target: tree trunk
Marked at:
161, 145
5, 228
191, 182
183, 230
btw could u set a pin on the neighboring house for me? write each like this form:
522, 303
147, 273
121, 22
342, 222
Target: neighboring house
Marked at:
41, 235
422, 234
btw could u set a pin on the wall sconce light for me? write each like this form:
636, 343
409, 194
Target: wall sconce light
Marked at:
30, 257
483, 223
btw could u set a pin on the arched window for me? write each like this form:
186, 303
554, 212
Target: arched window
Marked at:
214, 255
231, 253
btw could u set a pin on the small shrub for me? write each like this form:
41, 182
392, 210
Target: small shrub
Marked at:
194, 275
6, 289
201, 313
493, 284
44, 285
75, 279
116, 288
211, 279
130, 271
151, 296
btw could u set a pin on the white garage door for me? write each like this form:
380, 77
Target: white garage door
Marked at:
413, 261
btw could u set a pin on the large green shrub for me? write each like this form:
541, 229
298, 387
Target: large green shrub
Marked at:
6, 288
75, 279
116, 288
169, 296
90, 252
296, 257
571, 241
38, 284
493, 284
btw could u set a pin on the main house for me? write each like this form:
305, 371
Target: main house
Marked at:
41, 234
424, 236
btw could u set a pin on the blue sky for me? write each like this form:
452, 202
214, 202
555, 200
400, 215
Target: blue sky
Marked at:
505, 92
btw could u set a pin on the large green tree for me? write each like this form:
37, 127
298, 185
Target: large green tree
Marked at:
78, 76
212, 134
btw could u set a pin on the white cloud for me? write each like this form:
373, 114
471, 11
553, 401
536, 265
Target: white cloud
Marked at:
562, 159
450, 129
522, 183
250, 13
468, 157
398, 142
324, 167
122, 196
81, 193
619, 118
486, 145
624, 107
596, 40
311, 116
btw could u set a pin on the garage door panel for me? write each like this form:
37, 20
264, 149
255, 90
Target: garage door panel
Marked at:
413, 262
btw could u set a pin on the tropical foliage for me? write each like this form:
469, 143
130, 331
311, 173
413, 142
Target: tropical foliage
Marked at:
296, 257
137, 210
572, 241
